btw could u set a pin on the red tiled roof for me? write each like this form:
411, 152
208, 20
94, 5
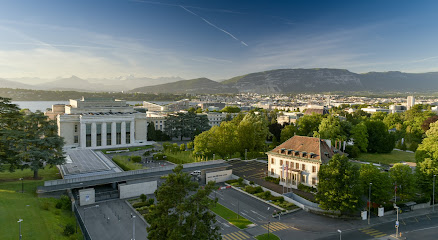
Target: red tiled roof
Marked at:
317, 146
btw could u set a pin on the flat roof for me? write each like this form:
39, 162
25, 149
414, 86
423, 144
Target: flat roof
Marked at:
86, 162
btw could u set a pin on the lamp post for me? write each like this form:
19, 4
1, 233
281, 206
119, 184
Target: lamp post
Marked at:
433, 196
396, 222
340, 234
245, 152
369, 203
19, 222
269, 222
22, 185
133, 227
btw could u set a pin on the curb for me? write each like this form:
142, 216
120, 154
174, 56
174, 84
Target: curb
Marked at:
240, 190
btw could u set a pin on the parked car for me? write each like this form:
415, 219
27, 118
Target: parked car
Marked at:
196, 173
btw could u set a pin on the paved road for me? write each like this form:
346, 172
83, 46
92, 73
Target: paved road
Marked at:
112, 220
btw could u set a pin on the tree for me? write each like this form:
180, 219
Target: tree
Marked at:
182, 210
426, 123
402, 176
330, 128
308, 124
186, 125
339, 185
275, 130
427, 159
39, 143
287, 132
152, 135
379, 116
381, 187
359, 134
190, 145
392, 120
379, 139
10, 118
251, 133
182, 147
231, 109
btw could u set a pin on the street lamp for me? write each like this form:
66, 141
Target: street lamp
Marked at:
19, 222
396, 222
133, 226
433, 196
22, 186
369, 203
340, 234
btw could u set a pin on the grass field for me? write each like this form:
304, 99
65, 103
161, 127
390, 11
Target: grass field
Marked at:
126, 164
183, 157
387, 158
37, 222
230, 216
265, 237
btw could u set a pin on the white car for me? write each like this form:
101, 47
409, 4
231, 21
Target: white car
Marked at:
196, 173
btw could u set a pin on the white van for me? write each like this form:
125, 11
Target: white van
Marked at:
196, 173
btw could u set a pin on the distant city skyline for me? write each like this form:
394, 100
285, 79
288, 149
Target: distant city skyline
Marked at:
213, 39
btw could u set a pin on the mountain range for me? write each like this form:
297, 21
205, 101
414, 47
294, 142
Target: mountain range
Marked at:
267, 82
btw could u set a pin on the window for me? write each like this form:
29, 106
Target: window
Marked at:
76, 128
304, 179
297, 166
292, 165
272, 171
281, 162
303, 167
314, 169
313, 181
76, 139
272, 161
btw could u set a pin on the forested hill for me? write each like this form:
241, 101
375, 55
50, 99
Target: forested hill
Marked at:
305, 81
40, 95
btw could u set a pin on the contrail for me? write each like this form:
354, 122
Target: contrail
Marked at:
218, 28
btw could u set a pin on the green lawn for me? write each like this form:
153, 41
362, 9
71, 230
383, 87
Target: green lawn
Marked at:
37, 222
126, 164
265, 237
230, 216
387, 158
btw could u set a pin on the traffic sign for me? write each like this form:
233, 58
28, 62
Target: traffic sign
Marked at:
396, 223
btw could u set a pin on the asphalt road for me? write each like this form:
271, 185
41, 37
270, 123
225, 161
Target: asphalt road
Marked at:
112, 220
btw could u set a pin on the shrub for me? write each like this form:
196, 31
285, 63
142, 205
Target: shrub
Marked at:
136, 159
139, 204
122, 162
403, 146
272, 179
267, 195
413, 147
182, 147
150, 202
143, 198
305, 188
279, 198
190, 145
147, 153
167, 146
240, 181
251, 182
69, 229
65, 202
253, 190
58, 205
231, 181
159, 156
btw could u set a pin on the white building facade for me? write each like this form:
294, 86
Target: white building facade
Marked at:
101, 123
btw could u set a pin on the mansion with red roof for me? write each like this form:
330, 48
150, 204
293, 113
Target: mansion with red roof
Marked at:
298, 160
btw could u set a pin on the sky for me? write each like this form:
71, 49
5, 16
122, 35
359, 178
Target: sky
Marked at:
213, 39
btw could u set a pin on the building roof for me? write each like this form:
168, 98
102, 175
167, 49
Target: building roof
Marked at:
310, 148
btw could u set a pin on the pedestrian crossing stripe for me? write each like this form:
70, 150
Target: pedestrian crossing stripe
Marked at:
373, 232
235, 236
276, 226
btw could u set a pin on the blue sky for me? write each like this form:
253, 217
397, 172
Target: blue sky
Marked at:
214, 39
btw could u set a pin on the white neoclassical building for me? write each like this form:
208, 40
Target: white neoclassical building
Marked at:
99, 123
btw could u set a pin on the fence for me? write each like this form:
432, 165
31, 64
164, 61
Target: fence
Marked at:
81, 223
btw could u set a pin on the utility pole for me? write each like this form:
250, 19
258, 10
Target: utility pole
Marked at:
369, 204
433, 196
133, 227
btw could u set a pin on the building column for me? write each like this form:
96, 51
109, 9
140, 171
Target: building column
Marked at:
132, 134
93, 135
123, 130
83, 135
113, 133
103, 134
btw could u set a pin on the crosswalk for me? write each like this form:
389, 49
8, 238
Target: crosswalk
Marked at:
373, 232
276, 226
236, 236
